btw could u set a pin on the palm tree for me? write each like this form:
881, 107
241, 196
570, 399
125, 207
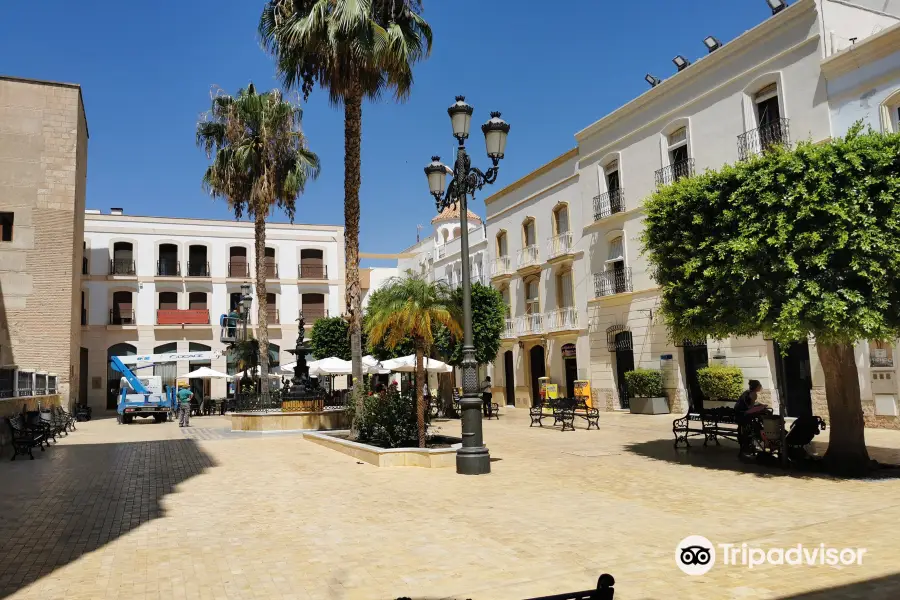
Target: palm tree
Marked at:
260, 161
411, 306
355, 49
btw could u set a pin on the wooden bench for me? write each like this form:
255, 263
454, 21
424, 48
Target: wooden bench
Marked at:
25, 437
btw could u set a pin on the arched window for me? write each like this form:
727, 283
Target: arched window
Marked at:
445, 236
564, 289
456, 232
529, 236
123, 259
237, 262
168, 300
270, 264
561, 219
890, 113
122, 312
532, 296
272, 307
312, 264
167, 265
198, 261
504, 293
313, 306
501, 244
197, 301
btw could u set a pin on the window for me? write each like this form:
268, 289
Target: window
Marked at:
456, 232
123, 259
766, 100
528, 232
532, 297
313, 307
197, 262
881, 354
52, 384
501, 244
271, 307
7, 382
271, 265
168, 261
234, 300
25, 383
121, 312
678, 148
561, 218
612, 176
237, 262
197, 301
6, 224
168, 301
564, 290
504, 293
312, 264
40, 384
895, 116
616, 249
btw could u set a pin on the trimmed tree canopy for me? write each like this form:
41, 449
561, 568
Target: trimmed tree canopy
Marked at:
786, 244
488, 318
330, 337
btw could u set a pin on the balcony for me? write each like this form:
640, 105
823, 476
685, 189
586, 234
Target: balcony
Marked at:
120, 316
563, 319
674, 172
757, 141
509, 330
312, 271
121, 266
271, 271
182, 317
608, 204
532, 324
610, 283
500, 267
529, 258
311, 314
560, 247
168, 267
440, 252
238, 269
197, 268
272, 316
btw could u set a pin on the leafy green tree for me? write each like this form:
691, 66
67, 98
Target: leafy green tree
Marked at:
412, 307
488, 319
354, 49
330, 336
260, 161
791, 244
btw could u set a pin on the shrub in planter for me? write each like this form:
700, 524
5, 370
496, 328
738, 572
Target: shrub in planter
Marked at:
387, 419
721, 383
644, 383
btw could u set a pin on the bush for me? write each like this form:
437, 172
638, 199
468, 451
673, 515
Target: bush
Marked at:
644, 383
387, 419
721, 383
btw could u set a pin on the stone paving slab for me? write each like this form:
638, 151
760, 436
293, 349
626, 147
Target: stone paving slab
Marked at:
153, 511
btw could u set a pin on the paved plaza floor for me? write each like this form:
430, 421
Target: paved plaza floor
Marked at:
153, 511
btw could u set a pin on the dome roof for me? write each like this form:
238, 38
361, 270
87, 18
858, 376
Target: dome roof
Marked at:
451, 213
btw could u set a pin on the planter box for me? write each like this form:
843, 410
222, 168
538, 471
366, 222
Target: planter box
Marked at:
649, 406
429, 458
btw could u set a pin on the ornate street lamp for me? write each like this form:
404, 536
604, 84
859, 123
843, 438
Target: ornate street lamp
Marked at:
244, 307
473, 457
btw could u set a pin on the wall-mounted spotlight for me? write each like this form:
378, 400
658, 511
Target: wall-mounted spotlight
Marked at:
777, 6
653, 81
712, 43
681, 62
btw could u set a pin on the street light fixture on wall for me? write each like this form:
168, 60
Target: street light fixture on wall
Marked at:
777, 6
712, 43
653, 81
473, 457
681, 62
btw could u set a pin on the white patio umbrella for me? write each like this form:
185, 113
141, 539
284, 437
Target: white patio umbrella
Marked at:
330, 366
205, 373
256, 371
407, 364
373, 366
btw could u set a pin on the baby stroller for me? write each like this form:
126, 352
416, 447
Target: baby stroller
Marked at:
802, 432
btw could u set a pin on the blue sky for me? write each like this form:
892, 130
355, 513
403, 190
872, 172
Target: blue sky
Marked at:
147, 68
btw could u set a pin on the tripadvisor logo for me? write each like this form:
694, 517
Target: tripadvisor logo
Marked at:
696, 555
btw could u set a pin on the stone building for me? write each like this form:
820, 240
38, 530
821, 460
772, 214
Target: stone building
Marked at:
43, 173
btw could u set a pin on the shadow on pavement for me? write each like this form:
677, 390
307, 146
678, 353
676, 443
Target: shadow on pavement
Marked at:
879, 588
725, 458
75, 499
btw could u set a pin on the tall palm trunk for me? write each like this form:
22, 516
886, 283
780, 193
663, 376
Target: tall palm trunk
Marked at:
846, 454
262, 305
352, 166
420, 394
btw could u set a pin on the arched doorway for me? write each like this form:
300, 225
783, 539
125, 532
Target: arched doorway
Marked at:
536, 356
619, 342
113, 377
199, 387
509, 380
570, 364
696, 357
794, 375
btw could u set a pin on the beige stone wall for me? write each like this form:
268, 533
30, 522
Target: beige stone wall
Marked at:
43, 170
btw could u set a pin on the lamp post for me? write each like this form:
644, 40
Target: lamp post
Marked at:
245, 305
473, 457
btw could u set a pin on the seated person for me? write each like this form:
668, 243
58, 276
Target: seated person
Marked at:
747, 404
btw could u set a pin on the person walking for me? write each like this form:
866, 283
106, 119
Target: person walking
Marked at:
486, 396
184, 402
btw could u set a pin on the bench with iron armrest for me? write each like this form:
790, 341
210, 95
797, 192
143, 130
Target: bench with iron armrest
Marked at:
82, 413
711, 423
58, 425
66, 417
604, 591
35, 420
537, 413
494, 411
564, 411
25, 437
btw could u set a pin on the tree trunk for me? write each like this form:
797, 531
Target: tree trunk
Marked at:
420, 395
262, 306
846, 454
352, 166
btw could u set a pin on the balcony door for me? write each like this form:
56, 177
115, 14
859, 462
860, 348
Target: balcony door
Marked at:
312, 264
528, 233
198, 265
313, 307
767, 109
168, 260
122, 310
269, 261
197, 301
271, 308
237, 262
168, 301
123, 259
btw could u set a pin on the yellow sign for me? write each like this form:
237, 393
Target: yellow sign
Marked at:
583, 392
551, 391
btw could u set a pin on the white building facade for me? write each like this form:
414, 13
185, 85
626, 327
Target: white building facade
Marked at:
565, 240
154, 285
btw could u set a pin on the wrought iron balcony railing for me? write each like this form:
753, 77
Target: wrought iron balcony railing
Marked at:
529, 256
675, 171
272, 316
197, 268
168, 267
563, 319
118, 316
560, 245
609, 283
313, 313
532, 324
608, 204
312, 271
757, 141
500, 266
509, 329
238, 269
271, 271
121, 266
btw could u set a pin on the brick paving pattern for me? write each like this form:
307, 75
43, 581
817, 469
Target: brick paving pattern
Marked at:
152, 511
